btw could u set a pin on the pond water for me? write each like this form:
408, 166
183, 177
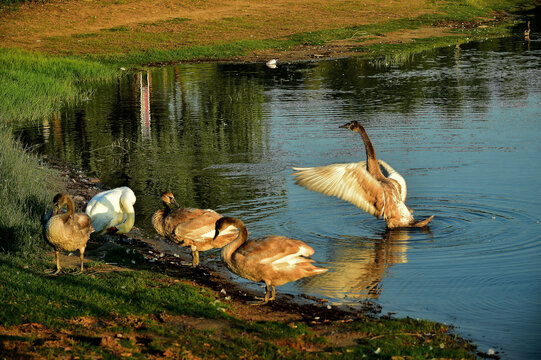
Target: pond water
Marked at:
462, 125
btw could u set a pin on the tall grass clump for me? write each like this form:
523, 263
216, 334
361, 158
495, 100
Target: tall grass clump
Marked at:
24, 196
33, 86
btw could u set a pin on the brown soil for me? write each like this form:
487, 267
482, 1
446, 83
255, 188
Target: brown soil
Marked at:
88, 26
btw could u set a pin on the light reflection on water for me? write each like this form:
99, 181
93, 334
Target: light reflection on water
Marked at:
461, 125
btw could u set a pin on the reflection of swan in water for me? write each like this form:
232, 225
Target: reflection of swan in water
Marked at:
364, 184
357, 271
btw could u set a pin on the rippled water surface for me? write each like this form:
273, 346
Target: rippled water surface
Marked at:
462, 125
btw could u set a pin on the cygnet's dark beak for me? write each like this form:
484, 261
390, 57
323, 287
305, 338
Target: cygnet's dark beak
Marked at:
345, 126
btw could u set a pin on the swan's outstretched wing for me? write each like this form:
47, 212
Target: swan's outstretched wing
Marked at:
350, 182
391, 173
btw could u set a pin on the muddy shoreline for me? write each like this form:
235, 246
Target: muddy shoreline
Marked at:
287, 307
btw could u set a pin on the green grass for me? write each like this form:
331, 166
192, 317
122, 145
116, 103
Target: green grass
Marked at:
13, 4
24, 196
145, 308
33, 86
54, 299
424, 337
220, 51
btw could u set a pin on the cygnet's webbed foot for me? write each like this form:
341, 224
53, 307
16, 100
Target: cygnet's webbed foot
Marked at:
53, 272
422, 223
266, 299
262, 301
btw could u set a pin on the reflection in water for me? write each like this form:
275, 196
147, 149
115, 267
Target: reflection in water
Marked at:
144, 88
357, 271
168, 129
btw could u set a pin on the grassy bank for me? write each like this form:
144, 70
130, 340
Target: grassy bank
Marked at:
462, 21
33, 86
141, 314
24, 195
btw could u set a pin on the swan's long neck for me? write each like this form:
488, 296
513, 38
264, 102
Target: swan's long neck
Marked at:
127, 208
158, 219
168, 208
371, 160
71, 209
229, 249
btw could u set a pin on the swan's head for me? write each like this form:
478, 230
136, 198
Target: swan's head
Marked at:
222, 224
352, 125
168, 199
60, 203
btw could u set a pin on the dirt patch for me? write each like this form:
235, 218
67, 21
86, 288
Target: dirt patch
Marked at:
37, 21
109, 27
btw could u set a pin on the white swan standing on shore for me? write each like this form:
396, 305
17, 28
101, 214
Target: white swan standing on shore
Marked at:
112, 211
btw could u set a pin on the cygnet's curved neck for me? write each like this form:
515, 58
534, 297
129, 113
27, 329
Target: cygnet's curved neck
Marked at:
371, 160
167, 207
71, 205
67, 200
229, 249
